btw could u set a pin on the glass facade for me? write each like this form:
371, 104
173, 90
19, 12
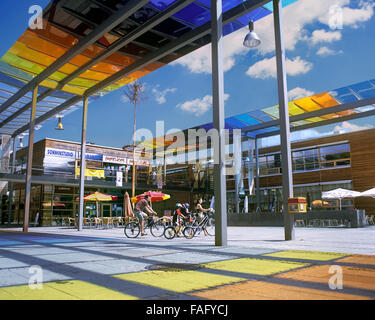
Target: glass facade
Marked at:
316, 158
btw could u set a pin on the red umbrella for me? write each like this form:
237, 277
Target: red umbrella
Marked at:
155, 196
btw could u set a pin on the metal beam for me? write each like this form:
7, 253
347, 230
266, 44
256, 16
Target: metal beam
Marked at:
30, 149
257, 181
11, 183
114, 47
287, 178
187, 38
82, 165
127, 10
220, 188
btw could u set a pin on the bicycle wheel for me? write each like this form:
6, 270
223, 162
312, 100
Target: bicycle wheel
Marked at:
169, 233
132, 229
157, 229
210, 226
189, 232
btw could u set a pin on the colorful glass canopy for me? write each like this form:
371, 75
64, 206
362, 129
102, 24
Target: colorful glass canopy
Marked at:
320, 101
67, 22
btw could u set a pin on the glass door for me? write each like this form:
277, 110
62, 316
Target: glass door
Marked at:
106, 209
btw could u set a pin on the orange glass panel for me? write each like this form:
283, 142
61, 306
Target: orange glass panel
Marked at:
326, 100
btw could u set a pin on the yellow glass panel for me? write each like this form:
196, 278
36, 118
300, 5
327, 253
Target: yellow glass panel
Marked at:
294, 109
307, 104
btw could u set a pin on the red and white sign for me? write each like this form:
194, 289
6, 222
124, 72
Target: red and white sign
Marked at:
115, 159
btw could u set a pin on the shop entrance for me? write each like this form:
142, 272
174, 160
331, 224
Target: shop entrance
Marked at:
106, 209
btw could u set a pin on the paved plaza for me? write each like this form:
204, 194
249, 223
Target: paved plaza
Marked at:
256, 264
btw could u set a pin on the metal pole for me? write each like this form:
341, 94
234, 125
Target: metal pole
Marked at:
11, 185
286, 159
220, 187
257, 180
82, 165
30, 148
134, 174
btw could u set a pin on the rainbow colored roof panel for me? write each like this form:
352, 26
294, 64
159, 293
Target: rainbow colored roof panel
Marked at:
351, 93
67, 22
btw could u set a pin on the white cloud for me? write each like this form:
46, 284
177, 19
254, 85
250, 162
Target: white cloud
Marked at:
325, 36
160, 95
296, 17
266, 68
325, 52
298, 93
198, 106
199, 61
350, 127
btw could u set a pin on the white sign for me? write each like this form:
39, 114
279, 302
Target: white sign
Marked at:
60, 153
118, 178
115, 159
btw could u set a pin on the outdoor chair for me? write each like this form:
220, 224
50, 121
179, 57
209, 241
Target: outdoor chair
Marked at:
370, 220
98, 222
299, 223
87, 222
71, 222
108, 222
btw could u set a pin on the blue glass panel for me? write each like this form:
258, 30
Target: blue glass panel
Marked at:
227, 4
207, 126
162, 4
367, 93
7, 79
194, 14
247, 119
260, 115
360, 86
254, 15
231, 27
269, 5
235, 123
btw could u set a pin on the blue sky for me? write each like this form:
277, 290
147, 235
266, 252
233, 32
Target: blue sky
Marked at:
319, 59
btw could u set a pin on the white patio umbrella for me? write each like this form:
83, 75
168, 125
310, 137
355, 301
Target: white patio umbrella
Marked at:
368, 193
340, 194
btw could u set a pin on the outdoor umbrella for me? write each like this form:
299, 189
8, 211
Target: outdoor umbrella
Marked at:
97, 197
155, 196
128, 211
319, 203
368, 193
340, 194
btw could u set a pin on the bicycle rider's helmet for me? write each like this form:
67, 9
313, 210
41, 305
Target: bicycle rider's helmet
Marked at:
178, 205
186, 205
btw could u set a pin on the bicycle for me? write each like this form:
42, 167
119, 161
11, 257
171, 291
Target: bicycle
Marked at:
156, 225
170, 232
207, 224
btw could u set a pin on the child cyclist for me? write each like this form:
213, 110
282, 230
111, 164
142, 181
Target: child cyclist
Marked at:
181, 214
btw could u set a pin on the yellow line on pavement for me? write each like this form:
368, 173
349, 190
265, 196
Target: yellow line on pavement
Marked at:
63, 290
179, 280
308, 255
255, 266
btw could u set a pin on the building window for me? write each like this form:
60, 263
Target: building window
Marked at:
327, 157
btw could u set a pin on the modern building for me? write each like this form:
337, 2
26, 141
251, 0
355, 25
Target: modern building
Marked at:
56, 166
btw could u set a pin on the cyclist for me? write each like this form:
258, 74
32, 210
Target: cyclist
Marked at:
179, 217
186, 212
142, 205
201, 211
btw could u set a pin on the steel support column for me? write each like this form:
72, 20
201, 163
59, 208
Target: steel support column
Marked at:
82, 165
30, 149
286, 159
11, 184
257, 180
220, 188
